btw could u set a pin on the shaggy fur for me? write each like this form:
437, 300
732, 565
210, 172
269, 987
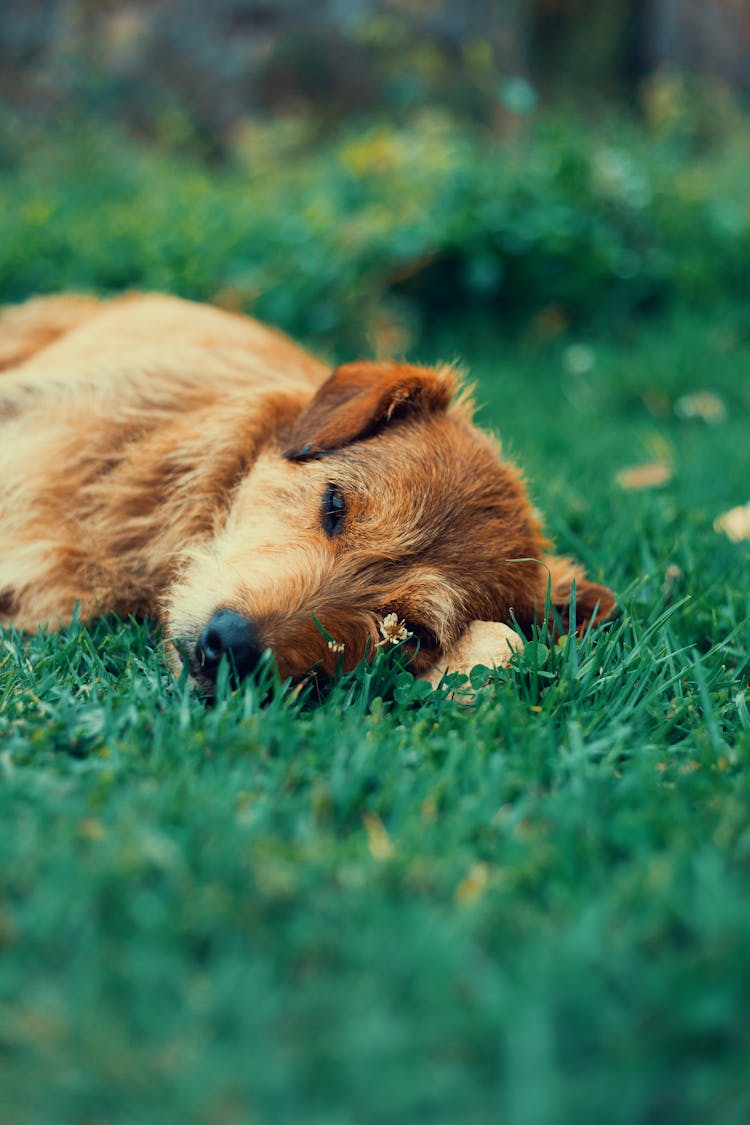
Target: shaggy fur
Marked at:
163, 458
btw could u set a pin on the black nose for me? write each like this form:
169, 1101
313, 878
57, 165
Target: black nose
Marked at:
232, 635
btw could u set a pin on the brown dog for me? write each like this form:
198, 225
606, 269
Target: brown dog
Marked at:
163, 458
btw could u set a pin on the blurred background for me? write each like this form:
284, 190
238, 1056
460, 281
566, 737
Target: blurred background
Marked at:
364, 173
556, 192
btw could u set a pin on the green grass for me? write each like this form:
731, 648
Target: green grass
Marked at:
381, 907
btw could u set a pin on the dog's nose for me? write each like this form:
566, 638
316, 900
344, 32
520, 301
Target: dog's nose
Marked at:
232, 635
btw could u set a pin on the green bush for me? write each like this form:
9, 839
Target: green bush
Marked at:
364, 237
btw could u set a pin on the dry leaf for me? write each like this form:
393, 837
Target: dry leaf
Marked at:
652, 475
735, 523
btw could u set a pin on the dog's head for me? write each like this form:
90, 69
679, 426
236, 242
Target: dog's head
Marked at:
382, 515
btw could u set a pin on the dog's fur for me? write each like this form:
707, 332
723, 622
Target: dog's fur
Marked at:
159, 457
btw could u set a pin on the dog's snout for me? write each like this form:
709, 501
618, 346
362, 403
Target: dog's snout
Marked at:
232, 635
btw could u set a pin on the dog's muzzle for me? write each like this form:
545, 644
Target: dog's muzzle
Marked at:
231, 635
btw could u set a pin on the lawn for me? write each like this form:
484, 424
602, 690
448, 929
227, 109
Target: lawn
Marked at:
379, 906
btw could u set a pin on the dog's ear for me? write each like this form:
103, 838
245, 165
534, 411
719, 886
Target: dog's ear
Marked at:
359, 398
590, 597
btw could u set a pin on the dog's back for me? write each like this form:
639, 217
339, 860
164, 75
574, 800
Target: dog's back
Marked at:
126, 342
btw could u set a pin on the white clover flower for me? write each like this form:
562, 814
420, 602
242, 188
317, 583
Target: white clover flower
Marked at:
393, 630
701, 404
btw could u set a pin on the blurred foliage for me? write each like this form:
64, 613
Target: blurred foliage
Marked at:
133, 62
372, 236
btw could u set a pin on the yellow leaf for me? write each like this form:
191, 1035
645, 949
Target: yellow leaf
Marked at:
90, 829
735, 523
651, 475
473, 884
378, 840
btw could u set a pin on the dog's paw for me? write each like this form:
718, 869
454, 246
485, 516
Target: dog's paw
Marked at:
489, 643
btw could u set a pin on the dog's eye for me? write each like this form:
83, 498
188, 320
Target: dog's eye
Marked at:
334, 510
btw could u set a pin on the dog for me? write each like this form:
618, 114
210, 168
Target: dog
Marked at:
164, 458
